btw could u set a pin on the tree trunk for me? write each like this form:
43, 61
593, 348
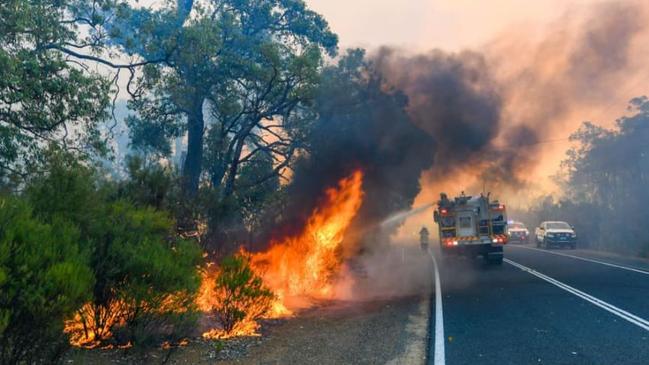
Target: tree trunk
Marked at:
234, 167
239, 139
193, 161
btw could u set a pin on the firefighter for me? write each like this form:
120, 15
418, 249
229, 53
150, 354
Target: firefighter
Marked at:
423, 238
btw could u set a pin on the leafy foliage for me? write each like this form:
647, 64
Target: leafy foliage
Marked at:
44, 277
244, 62
242, 293
44, 98
148, 184
142, 273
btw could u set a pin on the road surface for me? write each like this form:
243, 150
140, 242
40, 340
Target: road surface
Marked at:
540, 307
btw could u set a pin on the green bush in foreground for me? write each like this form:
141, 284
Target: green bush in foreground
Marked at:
145, 277
242, 294
44, 277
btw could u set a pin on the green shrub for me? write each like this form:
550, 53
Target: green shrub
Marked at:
145, 278
242, 294
44, 277
148, 184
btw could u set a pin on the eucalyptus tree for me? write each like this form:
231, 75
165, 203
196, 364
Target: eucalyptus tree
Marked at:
46, 95
242, 70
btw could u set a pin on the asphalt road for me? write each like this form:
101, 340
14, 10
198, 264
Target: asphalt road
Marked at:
543, 308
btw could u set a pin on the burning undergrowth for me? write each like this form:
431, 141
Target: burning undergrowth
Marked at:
292, 273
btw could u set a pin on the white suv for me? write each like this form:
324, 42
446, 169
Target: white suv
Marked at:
555, 233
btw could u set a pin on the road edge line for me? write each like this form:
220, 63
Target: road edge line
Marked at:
640, 271
632, 318
440, 353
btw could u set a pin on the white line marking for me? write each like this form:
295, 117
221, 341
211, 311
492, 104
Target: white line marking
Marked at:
640, 322
586, 259
440, 356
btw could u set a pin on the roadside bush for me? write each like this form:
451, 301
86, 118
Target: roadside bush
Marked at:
44, 277
241, 293
145, 278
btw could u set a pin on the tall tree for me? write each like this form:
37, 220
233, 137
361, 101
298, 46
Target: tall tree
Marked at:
240, 68
46, 96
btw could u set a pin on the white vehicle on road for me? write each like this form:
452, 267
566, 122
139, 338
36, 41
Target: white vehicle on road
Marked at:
517, 232
555, 233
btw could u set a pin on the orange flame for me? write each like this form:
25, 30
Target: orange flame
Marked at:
91, 325
303, 267
299, 268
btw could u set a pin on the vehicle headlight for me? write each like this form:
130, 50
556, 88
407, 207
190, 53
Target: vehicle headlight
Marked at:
551, 235
573, 235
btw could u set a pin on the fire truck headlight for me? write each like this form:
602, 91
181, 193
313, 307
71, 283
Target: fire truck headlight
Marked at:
454, 243
495, 240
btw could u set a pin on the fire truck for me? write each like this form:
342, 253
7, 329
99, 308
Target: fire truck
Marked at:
472, 226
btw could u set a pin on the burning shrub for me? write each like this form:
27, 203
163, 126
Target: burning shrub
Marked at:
145, 281
241, 297
145, 278
44, 277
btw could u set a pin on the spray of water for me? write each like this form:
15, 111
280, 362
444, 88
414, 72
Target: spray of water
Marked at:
399, 217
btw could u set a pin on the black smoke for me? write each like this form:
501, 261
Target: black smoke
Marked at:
455, 98
397, 115
362, 124
394, 117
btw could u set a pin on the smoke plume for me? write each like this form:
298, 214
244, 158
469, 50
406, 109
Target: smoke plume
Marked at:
457, 101
463, 120
541, 86
361, 125
420, 124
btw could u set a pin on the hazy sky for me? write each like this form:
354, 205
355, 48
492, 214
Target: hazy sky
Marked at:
425, 24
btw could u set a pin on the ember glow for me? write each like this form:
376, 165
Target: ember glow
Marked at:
207, 300
301, 268
91, 325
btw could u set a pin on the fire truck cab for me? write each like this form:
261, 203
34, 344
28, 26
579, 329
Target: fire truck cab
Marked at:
472, 226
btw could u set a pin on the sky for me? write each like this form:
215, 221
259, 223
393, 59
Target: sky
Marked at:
424, 24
